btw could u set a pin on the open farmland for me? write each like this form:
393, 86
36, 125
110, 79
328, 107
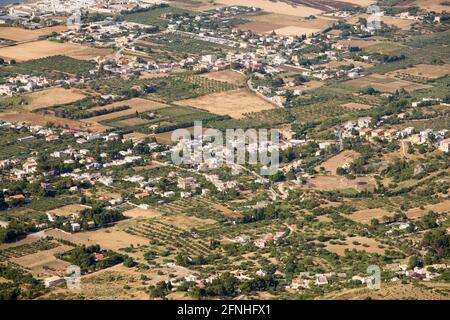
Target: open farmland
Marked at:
50, 97
366, 215
357, 243
385, 84
422, 72
338, 161
136, 105
42, 49
274, 7
287, 25
22, 35
235, 103
329, 183
404, 24
229, 76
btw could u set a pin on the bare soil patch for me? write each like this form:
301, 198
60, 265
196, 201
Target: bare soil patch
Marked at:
19, 34
385, 84
43, 49
235, 103
50, 97
338, 161
225, 76
356, 106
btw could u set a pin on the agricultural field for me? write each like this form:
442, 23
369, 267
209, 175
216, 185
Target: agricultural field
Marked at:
424, 72
356, 106
236, 103
285, 25
228, 76
137, 105
338, 161
330, 183
43, 49
50, 97
404, 24
24, 35
274, 7
385, 84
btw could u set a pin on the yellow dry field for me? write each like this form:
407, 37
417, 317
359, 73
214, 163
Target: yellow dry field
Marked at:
111, 238
141, 213
369, 245
135, 104
335, 64
43, 264
356, 106
404, 24
42, 120
274, 7
43, 49
313, 84
19, 34
424, 70
366, 215
69, 210
225, 76
417, 213
50, 97
328, 183
287, 25
338, 161
235, 103
385, 84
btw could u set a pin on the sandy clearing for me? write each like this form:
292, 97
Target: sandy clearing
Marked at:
235, 103
19, 34
69, 210
111, 238
296, 31
274, 7
338, 161
50, 97
366, 215
43, 120
417, 213
372, 246
229, 76
141, 213
42, 49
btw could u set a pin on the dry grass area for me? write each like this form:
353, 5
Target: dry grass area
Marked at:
403, 24
43, 49
329, 183
358, 43
392, 291
423, 70
69, 210
235, 103
369, 245
111, 238
313, 84
50, 97
366, 215
42, 120
338, 161
335, 64
385, 84
274, 7
356, 106
287, 25
229, 76
185, 222
135, 104
141, 213
417, 213
44, 264
19, 34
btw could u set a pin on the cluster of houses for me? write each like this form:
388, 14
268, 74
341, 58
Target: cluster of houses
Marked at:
22, 84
